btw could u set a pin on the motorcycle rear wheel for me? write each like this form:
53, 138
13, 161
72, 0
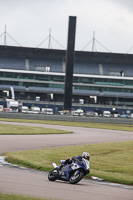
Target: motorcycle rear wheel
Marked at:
74, 180
52, 176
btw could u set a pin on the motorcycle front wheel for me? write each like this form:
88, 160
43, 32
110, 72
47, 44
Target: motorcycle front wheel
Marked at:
76, 177
52, 176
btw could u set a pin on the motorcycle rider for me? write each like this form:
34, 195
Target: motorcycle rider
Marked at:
72, 170
85, 155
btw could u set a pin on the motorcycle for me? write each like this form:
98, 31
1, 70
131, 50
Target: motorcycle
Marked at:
73, 173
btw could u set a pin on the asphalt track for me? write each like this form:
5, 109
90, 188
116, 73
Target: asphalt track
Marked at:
33, 183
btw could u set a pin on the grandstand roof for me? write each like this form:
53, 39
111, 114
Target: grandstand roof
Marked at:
55, 54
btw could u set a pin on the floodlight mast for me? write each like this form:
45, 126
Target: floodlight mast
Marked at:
5, 33
5, 43
49, 43
93, 43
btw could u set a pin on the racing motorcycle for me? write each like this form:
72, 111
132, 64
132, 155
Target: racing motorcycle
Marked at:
73, 173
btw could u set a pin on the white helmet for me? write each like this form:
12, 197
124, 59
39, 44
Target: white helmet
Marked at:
86, 155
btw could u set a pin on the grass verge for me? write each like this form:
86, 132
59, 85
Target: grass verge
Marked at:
18, 197
111, 161
6, 129
123, 127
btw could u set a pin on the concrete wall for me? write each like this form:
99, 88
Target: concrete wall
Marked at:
66, 118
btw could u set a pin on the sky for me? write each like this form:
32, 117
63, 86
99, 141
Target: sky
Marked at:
30, 22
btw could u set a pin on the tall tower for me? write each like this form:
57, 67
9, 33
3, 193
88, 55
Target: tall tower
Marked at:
69, 63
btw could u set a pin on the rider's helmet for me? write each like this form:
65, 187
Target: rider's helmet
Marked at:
86, 155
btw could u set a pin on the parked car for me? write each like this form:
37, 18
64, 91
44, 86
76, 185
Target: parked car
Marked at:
125, 116
90, 113
24, 109
106, 113
64, 112
34, 110
78, 112
131, 115
1, 108
47, 111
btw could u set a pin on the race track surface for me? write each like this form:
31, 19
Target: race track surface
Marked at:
33, 183
80, 136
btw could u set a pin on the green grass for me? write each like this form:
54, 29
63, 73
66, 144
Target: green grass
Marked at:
111, 161
123, 127
6, 129
18, 197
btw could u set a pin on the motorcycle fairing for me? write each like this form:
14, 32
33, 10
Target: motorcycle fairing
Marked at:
65, 172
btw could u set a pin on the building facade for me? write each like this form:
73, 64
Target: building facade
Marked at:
98, 79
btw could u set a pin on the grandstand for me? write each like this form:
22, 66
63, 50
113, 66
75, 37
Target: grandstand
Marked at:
99, 78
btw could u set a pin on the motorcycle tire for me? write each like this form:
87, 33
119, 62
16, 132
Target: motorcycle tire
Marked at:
74, 180
52, 176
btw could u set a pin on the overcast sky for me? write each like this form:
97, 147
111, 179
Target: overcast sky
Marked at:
29, 23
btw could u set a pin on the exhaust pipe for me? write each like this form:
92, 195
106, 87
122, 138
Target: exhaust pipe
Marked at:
54, 165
